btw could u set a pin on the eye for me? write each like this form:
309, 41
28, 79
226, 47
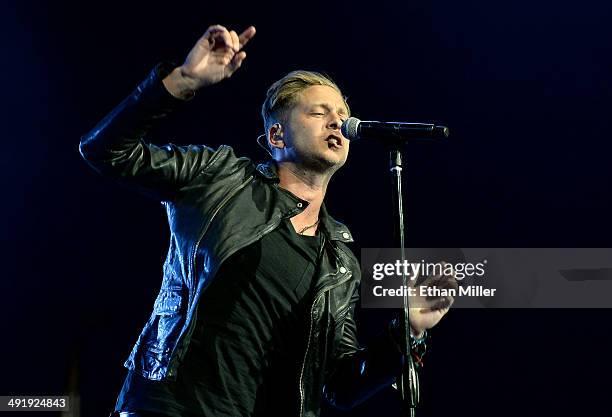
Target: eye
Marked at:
317, 114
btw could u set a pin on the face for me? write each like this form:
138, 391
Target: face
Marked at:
311, 135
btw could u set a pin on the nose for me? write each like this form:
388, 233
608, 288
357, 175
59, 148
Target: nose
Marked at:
335, 122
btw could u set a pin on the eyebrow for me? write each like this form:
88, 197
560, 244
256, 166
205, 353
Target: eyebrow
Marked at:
341, 110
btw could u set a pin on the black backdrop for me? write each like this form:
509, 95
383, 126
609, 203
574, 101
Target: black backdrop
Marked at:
525, 88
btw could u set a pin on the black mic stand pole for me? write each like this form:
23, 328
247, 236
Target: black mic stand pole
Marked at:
408, 382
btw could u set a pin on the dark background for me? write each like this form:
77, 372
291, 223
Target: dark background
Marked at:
524, 86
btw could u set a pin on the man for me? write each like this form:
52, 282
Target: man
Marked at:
255, 311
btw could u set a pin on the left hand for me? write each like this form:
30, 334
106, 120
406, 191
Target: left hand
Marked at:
428, 311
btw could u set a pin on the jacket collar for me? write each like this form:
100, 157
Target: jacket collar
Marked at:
269, 170
333, 228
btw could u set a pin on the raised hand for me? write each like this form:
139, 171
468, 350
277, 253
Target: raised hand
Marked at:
214, 57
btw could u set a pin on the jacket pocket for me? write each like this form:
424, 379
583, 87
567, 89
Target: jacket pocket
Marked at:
168, 320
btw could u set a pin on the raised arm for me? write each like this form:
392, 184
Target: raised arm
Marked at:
116, 147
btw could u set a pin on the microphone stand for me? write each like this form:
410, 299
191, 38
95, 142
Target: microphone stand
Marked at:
396, 135
408, 382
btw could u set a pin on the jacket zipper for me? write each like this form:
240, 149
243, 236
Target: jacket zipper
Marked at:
205, 229
323, 291
219, 207
203, 232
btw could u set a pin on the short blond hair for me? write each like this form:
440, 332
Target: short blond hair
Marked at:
284, 93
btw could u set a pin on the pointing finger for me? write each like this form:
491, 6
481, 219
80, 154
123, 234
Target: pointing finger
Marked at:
246, 36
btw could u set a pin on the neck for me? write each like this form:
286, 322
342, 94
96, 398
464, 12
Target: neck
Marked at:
305, 184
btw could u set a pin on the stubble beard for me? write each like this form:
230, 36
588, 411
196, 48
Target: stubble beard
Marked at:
321, 163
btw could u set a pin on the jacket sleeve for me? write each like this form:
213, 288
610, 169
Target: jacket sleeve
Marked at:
358, 373
116, 146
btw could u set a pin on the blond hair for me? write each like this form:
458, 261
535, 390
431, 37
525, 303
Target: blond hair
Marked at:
284, 93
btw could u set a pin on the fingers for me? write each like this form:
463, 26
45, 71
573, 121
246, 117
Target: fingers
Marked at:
246, 36
442, 303
229, 39
236, 62
219, 36
439, 281
235, 40
442, 287
238, 42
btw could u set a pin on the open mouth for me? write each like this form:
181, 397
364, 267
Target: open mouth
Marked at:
334, 141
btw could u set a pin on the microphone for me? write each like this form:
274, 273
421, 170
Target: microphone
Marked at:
354, 129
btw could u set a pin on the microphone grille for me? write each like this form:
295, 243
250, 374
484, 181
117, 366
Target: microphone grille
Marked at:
350, 128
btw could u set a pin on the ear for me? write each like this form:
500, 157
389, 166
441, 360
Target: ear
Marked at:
275, 136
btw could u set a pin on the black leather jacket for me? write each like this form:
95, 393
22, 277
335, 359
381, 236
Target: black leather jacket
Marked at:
216, 204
